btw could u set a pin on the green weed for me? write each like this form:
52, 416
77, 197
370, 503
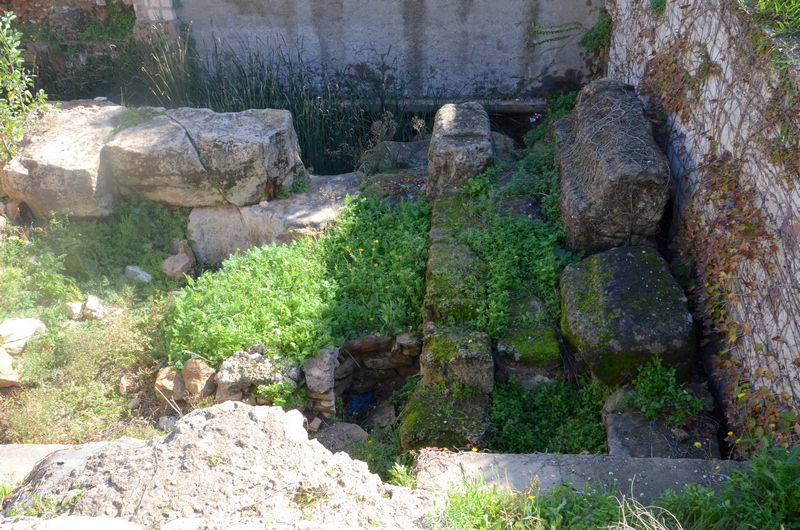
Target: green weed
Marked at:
366, 275
117, 26
558, 106
657, 393
285, 394
658, 7
19, 105
552, 418
782, 15
598, 39
385, 457
133, 116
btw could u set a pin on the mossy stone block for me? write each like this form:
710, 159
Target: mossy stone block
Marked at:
455, 285
622, 308
451, 214
450, 355
435, 417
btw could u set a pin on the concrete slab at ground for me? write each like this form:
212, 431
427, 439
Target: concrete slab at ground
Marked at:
17, 460
642, 478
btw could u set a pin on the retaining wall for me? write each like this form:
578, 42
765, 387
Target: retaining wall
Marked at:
439, 48
732, 138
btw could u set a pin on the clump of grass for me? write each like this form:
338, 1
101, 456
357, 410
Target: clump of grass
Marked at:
598, 39
385, 457
552, 418
558, 106
133, 116
366, 275
782, 15
659, 7
656, 393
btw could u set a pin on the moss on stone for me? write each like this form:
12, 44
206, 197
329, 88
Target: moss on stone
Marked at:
436, 417
451, 214
455, 285
533, 345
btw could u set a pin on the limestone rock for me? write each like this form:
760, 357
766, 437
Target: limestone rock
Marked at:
228, 461
66, 21
461, 147
409, 344
176, 266
157, 159
242, 370
503, 145
319, 371
251, 155
58, 168
8, 376
623, 308
93, 309
16, 332
222, 395
440, 419
19, 213
217, 232
166, 423
614, 178
169, 385
137, 275
74, 310
337, 436
453, 356
198, 378
454, 284
185, 248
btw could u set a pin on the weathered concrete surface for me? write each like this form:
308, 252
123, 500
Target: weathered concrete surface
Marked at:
641, 478
17, 460
475, 48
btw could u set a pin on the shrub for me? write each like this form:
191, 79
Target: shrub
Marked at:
366, 275
657, 393
18, 104
598, 39
552, 417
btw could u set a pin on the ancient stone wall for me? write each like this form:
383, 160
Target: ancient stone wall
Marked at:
458, 48
733, 150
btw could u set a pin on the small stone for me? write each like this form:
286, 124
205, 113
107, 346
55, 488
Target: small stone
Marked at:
16, 332
169, 385
167, 423
134, 403
93, 309
198, 378
223, 395
314, 425
176, 266
680, 434
124, 385
74, 310
132, 272
185, 248
409, 344
8, 376
319, 371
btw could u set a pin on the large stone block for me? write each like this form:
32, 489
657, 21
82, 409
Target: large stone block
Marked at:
622, 308
461, 147
455, 285
453, 356
158, 160
58, 169
219, 231
614, 178
251, 155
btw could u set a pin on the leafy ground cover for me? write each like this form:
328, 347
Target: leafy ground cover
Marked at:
72, 374
366, 275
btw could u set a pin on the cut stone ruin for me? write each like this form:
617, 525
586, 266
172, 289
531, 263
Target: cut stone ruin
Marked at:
614, 178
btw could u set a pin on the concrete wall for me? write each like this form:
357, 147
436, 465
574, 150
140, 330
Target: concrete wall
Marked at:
453, 47
728, 109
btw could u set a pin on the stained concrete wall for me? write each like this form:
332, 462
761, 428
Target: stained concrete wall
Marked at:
439, 47
729, 112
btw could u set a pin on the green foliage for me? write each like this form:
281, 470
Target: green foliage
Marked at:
117, 26
552, 418
657, 393
46, 267
598, 39
365, 276
766, 496
133, 116
385, 457
284, 394
301, 183
18, 104
479, 507
483, 183
558, 106
658, 7
782, 15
